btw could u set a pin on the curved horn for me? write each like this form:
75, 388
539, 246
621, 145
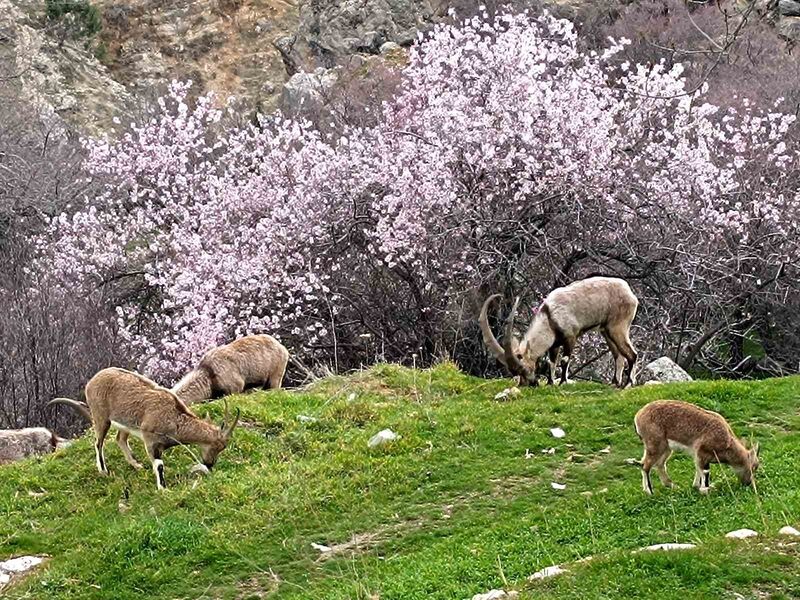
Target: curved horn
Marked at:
229, 428
488, 337
512, 362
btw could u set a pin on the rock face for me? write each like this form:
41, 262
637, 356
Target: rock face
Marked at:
663, 370
230, 47
331, 29
62, 77
305, 88
16, 444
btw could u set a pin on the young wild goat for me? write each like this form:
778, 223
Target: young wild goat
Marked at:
667, 425
604, 303
252, 361
138, 406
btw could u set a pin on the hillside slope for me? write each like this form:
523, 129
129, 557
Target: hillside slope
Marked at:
460, 504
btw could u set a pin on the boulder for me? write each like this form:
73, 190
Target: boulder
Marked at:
307, 88
16, 444
663, 370
789, 8
389, 47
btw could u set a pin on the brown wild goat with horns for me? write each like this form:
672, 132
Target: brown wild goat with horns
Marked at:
138, 406
604, 303
251, 361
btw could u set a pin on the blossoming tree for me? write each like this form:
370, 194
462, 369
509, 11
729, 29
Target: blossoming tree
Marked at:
508, 160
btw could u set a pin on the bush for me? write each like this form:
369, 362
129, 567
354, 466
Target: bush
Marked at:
77, 18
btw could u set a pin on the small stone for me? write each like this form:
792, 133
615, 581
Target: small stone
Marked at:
495, 595
321, 547
306, 419
632, 461
558, 486
512, 391
549, 451
741, 534
668, 546
388, 47
382, 437
606, 450
557, 432
789, 531
20, 564
547, 572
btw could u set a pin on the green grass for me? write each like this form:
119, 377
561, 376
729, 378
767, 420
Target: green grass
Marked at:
451, 509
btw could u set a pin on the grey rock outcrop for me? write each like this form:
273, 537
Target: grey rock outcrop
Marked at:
17, 444
663, 370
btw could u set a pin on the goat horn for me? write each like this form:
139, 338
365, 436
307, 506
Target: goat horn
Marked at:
229, 428
488, 337
512, 362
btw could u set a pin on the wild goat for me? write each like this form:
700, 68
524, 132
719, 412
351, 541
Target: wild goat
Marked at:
16, 444
667, 425
138, 406
604, 303
252, 361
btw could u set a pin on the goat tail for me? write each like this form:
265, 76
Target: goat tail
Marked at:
81, 407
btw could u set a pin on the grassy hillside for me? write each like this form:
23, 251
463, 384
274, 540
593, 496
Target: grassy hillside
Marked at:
452, 508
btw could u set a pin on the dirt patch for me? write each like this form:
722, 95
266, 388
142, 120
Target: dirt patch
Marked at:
361, 542
262, 586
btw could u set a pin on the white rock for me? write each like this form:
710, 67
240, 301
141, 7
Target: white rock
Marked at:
664, 370
4, 578
388, 47
741, 534
557, 432
606, 450
558, 486
632, 461
789, 531
20, 564
382, 437
668, 546
547, 572
321, 547
306, 419
549, 451
512, 391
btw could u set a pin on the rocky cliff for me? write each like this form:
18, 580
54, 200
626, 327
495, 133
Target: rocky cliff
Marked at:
247, 48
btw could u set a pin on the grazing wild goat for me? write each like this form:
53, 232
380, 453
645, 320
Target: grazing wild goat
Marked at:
138, 406
667, 425
252, 361
16, 444
604, 303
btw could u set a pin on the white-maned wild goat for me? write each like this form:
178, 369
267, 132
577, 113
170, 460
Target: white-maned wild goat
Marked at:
667, 425
604, 303
252, 361
138, 406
